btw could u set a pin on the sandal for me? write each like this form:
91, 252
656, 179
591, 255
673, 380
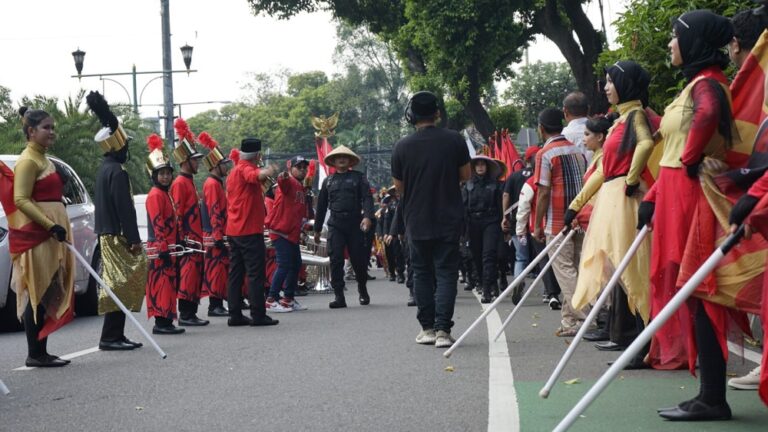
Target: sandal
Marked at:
566, 332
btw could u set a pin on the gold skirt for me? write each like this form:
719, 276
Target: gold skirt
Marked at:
45, 274
612, 229
124, 272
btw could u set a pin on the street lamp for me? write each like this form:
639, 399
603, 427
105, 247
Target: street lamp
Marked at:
79, 56
186, 52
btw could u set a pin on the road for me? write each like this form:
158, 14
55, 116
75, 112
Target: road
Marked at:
356, 369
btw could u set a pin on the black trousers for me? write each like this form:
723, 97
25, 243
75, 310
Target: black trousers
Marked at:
347, 236
551, 287
484, 242
187, 309
246, 258
711, 361
395, 258
214, 302
114, 326
623, 326
35, 348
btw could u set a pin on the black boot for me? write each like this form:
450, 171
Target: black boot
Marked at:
365, 299
486, 298
339, 302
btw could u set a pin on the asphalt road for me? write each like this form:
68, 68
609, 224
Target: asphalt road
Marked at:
356, 369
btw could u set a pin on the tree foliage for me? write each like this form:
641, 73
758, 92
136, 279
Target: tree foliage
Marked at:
644, 31
537, 86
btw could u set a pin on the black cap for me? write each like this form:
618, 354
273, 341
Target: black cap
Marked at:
424, 103
250, 145
297, 160
551, 118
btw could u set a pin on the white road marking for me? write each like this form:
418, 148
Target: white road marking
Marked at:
503, 412
748, 354
65, 357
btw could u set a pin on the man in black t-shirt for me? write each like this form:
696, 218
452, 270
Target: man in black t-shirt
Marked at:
427, 167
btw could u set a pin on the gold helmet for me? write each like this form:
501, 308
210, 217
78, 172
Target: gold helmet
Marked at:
157, 158
215, 156
111, 137
185, 146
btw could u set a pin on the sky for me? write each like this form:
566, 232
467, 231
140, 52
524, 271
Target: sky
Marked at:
37, 38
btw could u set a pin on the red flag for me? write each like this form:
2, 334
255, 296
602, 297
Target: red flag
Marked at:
749, 108
512, 156
323, 148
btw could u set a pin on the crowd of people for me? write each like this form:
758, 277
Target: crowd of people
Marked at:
602, 176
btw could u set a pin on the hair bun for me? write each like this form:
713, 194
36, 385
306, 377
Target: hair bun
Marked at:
22, 110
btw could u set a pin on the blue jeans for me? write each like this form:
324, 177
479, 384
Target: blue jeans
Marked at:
288, 258
435, 274
522, 255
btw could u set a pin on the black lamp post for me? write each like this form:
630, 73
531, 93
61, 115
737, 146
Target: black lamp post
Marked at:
79, 56
186, 52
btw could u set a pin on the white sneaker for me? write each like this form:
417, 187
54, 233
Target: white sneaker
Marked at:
750, 381
426, 337
276, 307
443, 339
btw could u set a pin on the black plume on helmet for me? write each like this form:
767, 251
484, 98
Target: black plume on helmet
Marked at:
100, 107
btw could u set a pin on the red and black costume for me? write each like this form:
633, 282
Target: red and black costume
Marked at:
162, 231
214, 213
187, 202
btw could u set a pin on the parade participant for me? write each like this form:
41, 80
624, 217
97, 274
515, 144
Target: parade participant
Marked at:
285, 221
397, 232
512, 188
428, 166
245, 229
187, 202
124, 265
575, 111
43, 267
347, 195
162, 234
524, 227
482, 199
213, 211
393, 249
696, 124
560, 167
621, 182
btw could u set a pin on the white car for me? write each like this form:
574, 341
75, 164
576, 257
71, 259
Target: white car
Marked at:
140, 203
80, 210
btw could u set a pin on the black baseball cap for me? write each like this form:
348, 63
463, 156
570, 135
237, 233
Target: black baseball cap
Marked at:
296, 161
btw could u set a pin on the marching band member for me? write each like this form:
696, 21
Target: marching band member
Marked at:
162, 232
214, 220
285, 221
43, 267
122, 256
347, 195
245, 229
187, 202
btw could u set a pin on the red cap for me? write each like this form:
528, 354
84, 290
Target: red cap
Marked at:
531, 152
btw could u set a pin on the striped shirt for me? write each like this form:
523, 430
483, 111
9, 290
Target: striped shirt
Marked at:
560, 165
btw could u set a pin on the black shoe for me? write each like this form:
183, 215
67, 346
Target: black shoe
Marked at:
486, 299
697, 410
135, 344
117, 345
218, 311
411, 301
391, 278
609, 346
682, 405
554, 303
517, 294
193, 321
400, 279
598, 335
238, 320
338, 303
364, 299
264, 321
46, 360
171, 329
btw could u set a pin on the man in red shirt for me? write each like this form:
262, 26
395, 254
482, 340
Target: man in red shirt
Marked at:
285, 220
245, 229
187, 203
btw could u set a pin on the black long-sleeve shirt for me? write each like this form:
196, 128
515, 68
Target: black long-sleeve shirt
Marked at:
115, 211
348, 197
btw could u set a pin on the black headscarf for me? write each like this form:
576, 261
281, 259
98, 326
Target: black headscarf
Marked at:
630, 80
700, 35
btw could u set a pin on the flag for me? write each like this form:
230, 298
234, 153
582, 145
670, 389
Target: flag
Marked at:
323, 148
749, 106
511, 156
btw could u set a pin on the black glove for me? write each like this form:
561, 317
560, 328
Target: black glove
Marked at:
220, 244
630, 190
570, 215
645, 213
741, 209
693, 170
166, 257
58, 232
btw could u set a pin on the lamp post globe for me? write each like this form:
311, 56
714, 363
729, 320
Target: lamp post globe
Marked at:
79, 56
186, 52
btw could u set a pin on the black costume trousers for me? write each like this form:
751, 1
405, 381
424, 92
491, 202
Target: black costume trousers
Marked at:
395, 258
36, 348
247, 256
341, 236
711, 360
114, 326
551, 287
484, 242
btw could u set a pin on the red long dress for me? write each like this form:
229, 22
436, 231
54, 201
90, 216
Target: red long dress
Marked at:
162, 231
184, 195
214, 224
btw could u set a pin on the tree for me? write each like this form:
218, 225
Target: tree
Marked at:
538, 86
461, 46
644, 32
